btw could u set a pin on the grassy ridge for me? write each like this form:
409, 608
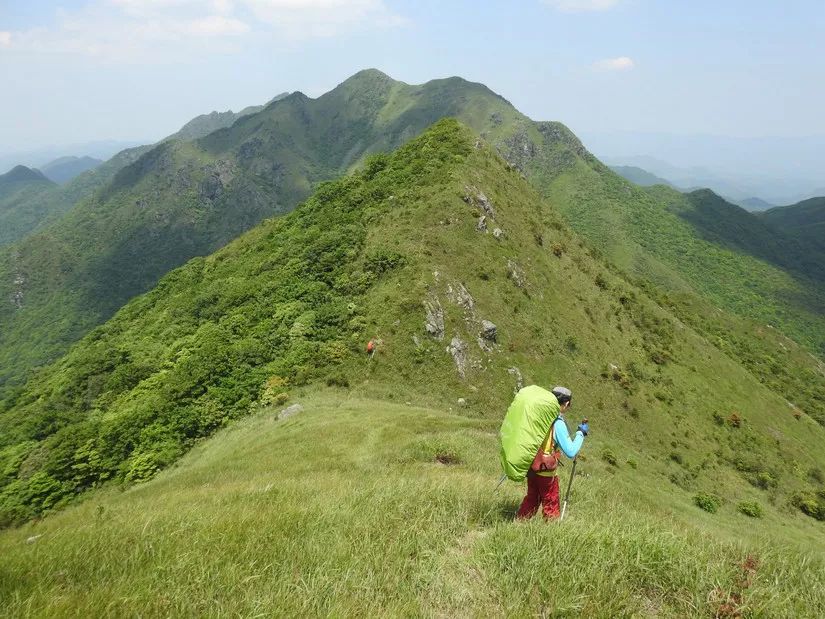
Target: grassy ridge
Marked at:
345, 510
295, 301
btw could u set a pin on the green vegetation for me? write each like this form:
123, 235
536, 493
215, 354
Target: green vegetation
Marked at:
750, 508
804, 221
376, 254
21, 192
708, 502
345, 510
181, 199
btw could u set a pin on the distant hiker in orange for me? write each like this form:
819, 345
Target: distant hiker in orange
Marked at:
542, 478
371, 345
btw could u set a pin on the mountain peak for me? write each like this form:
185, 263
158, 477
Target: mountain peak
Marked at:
22, 173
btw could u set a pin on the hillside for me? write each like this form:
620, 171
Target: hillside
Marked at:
804, 221
375, 483
65, 169
205, 124
20, 187
183, 199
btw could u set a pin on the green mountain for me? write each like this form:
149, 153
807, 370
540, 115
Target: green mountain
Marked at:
699, 487
65, 169
81, 177
183, 199
804, 221
205, 124
639, 176
21, 189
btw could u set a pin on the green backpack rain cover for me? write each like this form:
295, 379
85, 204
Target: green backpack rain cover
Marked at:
525, 427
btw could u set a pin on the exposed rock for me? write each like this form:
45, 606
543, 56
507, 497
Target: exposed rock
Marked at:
33, 538
515, 273
434, 323
481, 226
416, 341
290, 411
459, 295
498, 233
516, 373
495, 118
462, 402
488, 330
458, 351
474, 197
218, 176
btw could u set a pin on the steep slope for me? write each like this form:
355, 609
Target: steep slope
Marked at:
399, 252
65, 169
182, 199
20, 187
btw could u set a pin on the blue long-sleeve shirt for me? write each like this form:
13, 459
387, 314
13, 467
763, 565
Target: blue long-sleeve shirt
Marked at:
561, 436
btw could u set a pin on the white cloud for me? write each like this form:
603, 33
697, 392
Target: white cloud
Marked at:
138, 29
580, 6
622, 63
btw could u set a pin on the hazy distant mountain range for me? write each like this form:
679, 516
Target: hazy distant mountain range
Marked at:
777, 170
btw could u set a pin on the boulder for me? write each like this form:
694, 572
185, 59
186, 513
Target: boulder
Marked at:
290, 411
458, 351
488, 330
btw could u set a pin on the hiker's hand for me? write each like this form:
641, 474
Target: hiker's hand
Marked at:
584, 428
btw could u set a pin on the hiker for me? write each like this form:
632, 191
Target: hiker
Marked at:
542, 478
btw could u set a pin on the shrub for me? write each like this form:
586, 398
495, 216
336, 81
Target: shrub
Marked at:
609, 457
750, 508
708, 502
808, 504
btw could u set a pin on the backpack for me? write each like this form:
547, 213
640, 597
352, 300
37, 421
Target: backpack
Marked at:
524, 429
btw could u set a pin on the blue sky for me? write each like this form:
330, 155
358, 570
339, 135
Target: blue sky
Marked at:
76, 71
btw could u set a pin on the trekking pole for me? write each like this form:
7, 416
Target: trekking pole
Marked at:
500, 481
569, 485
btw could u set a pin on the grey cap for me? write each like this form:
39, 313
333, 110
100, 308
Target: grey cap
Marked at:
562, 391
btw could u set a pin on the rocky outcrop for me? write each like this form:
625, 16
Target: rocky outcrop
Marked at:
459, 295
434, 321
489, 331
459, 350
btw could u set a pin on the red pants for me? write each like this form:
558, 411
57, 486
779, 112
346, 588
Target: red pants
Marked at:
540, 491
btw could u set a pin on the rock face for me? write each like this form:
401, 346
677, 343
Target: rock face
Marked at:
458, 351
290, 411
434, 322
488, 330
474, 197
459, 295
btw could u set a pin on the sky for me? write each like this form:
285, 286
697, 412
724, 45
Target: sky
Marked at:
83, 70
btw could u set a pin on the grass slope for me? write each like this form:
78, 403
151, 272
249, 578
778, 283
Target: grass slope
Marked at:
375, 255
346, 510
